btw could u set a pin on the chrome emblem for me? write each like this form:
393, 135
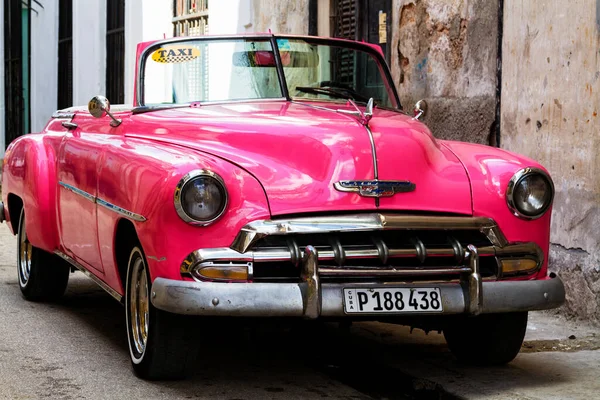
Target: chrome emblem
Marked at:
375, 188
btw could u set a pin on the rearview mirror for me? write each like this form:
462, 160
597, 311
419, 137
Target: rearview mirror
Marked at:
99, 107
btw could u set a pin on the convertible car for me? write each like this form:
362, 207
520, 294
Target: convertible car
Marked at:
277, 176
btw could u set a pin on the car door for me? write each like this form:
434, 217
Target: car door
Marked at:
78, 158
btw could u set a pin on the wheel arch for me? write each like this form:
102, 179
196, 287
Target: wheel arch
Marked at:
15, 205
126, 238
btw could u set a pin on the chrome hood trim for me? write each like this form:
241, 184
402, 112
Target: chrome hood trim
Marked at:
257, 230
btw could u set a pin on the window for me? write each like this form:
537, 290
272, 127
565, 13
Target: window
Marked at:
191, 18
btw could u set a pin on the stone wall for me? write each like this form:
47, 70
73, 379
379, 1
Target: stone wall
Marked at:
550, 105
445, 51
281, 16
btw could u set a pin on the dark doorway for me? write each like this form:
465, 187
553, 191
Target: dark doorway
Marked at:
115, 51
16, 68
368, 20
65, 54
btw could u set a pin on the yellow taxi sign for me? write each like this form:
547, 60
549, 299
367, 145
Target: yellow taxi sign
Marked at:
175, 54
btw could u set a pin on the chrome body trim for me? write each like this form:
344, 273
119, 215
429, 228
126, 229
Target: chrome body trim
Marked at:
374, 153
104, 203
2, 210
514, 181
257, 230
80, 192
178, 194
290, 299
90, 275
120, 210
60, 114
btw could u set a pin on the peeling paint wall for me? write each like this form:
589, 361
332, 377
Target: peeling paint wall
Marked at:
281, 16
550, 106
445, 51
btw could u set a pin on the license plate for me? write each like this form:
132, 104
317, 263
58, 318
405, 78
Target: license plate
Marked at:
392, 300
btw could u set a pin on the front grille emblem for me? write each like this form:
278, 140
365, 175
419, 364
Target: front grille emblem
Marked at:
375, 188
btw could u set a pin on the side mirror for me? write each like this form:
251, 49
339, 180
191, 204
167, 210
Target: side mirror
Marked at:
420, 110
99, 107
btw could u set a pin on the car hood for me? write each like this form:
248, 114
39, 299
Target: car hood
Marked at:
297, 151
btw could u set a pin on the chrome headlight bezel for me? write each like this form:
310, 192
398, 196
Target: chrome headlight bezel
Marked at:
517, 178
179, 192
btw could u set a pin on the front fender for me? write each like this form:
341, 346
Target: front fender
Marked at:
29, 172
490, 169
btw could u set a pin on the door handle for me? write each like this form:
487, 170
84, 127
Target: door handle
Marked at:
69, 125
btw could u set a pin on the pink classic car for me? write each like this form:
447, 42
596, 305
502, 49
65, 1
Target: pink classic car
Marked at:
277, 176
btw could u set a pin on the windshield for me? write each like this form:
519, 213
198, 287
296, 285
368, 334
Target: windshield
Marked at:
216, 70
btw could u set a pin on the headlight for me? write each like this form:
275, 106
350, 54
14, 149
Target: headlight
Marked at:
200, 197
530, 193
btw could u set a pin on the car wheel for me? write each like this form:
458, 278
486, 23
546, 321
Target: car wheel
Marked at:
161, 344
489, 339
42, 275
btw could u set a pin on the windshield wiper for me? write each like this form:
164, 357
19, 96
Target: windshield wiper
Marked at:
145, 109
335, 92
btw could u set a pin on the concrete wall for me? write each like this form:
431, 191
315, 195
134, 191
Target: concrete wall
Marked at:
144, 21
550, 106
281, 16
445, 51
44, 64
89, 50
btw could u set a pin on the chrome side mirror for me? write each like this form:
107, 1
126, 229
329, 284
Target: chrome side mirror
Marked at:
420, 110
99, 107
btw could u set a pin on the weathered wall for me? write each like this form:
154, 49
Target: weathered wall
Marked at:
446, 52
281, 16
550, 105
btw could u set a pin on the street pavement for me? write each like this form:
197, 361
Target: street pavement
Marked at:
77, 348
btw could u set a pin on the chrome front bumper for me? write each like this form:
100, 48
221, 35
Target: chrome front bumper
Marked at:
311, 299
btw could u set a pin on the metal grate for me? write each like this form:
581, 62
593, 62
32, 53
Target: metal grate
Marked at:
191, 18
115, 51
345, 28
65, 54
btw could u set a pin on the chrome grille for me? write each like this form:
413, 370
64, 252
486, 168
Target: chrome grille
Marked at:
413, 254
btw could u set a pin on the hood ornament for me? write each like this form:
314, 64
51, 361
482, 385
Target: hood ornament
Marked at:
375, 188
363, 117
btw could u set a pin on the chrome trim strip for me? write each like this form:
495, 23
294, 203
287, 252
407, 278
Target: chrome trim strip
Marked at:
121, 211
80, 192
373, 151
225, 254
521, 174
60, 114
90, 275
103, 203
179, 188
257, 230
354, 272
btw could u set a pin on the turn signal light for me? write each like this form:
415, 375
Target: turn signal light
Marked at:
224, 273
516, 266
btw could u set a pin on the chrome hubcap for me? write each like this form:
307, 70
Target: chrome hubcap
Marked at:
25, 250
139, 305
